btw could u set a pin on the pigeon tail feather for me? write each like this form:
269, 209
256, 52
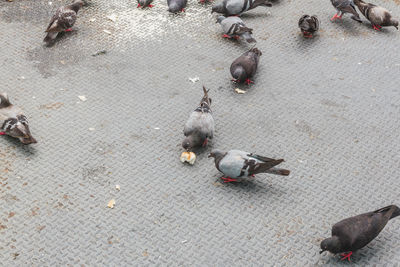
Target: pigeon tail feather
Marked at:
257, 3
247, 36
277, 171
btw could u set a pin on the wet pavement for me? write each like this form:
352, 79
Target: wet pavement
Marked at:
329, 106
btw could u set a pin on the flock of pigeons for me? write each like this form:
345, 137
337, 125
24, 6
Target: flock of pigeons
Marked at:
349, 234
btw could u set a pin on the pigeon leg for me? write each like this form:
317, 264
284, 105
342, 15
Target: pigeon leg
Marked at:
2, 133
138, 5
150, 6
205, 142
234, 80
68, 30
182, 10
248, 81
376, 27
307, 35
226, 36
236, 37
336, 17
346, 256
228, 179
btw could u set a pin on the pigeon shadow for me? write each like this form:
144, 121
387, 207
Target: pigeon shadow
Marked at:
27, 150
348, 25
60, 37
251, 186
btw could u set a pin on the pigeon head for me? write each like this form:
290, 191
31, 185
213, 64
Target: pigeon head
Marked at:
239, 74
395, 23
4, 102
76, 5
331, 244
174, 7
220, 19
219, 8
216, 153
256, 51
187, 143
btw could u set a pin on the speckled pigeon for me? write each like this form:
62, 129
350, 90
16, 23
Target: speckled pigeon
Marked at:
377, 15
144, 3
354, 233
234, 27
63, 20
13, 121
200, 125
175, 6
345, 6
245, 66
238, 7
237, 165
308, 25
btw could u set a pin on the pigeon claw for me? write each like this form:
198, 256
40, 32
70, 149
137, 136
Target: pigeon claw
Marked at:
336, 17
346, 256
228, 179
138, 5
2, 133
248, 81
376, 27
68, 30
150, 6
205, 142
182, 10
307, 35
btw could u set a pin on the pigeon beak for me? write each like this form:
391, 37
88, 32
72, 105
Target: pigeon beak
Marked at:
322, 251
209, 155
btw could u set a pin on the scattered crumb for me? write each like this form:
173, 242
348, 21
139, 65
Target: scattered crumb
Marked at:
239, 91
189, 157
111, 203
118, 187
82, 98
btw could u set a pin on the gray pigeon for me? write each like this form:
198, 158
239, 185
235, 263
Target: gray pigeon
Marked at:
200, 125
144, 3
308, 25
377, 15
63, 20
175, 6
237, 165
245, 66
13, 121
238, 7
234, 27
356, 232
345, 6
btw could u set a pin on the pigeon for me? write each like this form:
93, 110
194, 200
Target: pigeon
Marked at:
200, 125
144, 3
345, 6
308, 25
238, 165
378, 16
13, 121
175, 6
63, 20
238, 7
234, 27
356, 232
245, 66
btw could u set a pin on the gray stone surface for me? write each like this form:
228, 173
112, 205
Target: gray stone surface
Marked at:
328, 106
